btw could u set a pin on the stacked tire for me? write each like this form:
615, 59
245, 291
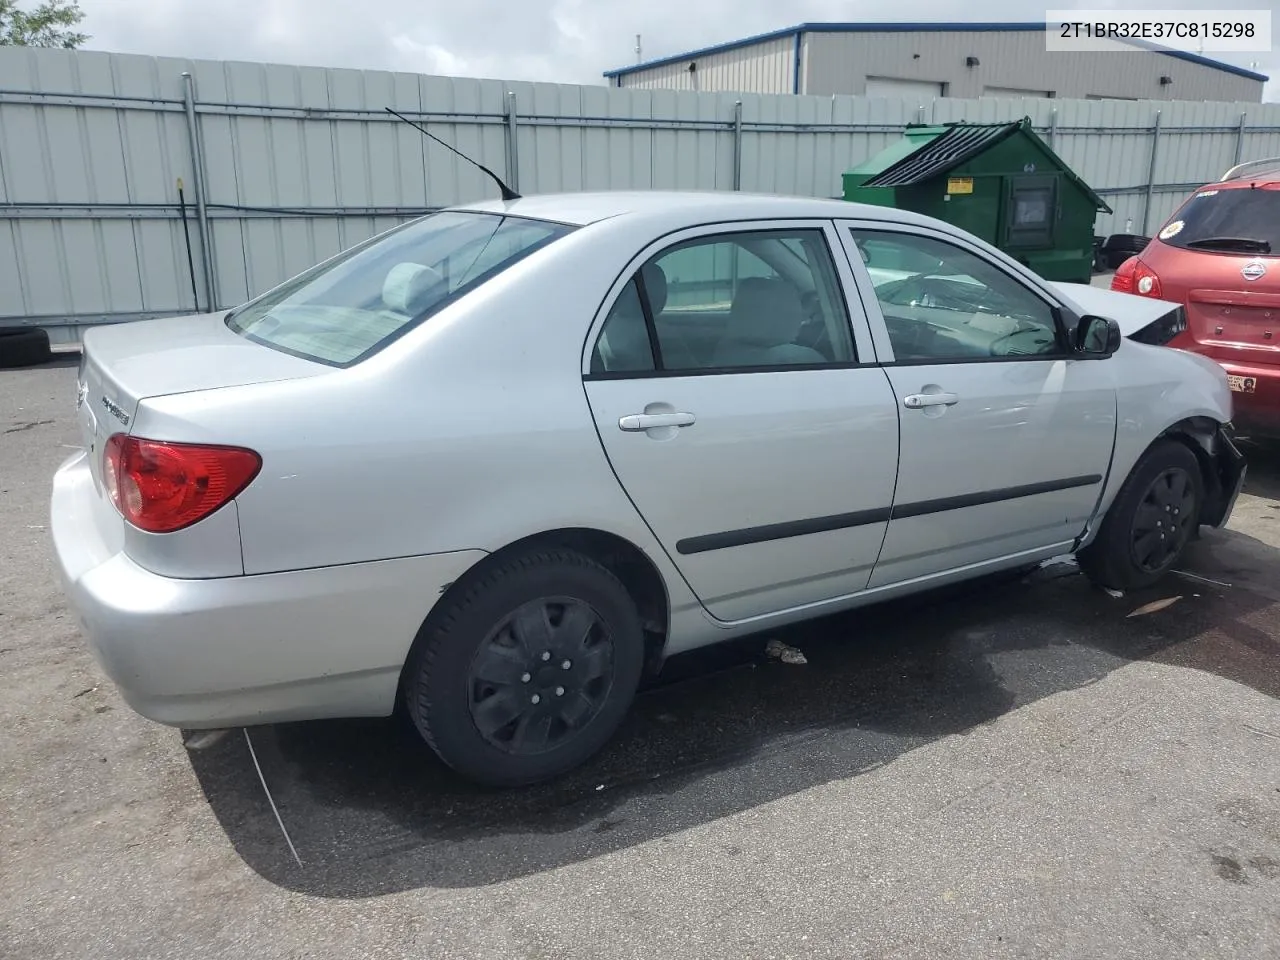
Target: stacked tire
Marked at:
24, 347
1121, 246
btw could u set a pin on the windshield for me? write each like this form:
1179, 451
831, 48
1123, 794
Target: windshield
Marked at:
347, 308
1238, 220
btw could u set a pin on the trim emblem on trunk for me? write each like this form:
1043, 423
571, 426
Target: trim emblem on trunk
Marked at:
115, 411
1253, 269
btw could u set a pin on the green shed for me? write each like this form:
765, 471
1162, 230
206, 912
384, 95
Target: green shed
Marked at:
999, 181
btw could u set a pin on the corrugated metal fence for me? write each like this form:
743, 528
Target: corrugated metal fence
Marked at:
297, 163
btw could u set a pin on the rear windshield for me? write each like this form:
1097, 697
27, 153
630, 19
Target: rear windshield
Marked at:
1239, 220
349, 307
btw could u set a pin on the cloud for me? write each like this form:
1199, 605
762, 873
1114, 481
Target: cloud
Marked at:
568, 41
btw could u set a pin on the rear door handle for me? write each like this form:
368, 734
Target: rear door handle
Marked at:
638, 422
917, 400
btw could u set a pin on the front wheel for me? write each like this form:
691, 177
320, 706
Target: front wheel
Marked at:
1154, 516
529, 671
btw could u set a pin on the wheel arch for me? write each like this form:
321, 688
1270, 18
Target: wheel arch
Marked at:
1205, 437
1199, 432
626, 561
1107, 557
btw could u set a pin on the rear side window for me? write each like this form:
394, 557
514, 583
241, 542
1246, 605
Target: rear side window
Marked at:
1237, 220
755, 300
348, 308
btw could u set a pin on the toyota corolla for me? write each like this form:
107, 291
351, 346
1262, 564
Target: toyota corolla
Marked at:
498, 462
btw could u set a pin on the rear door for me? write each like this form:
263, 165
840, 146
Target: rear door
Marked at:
1006, 438
738, 401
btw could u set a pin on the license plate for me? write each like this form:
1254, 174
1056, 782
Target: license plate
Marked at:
1242, 384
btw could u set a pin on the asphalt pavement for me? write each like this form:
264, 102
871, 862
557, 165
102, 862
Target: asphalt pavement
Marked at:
1008, 769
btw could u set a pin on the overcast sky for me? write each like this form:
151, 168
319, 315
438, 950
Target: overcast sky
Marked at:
566, 41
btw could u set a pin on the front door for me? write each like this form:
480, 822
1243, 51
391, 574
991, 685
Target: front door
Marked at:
727, 391
1006, 437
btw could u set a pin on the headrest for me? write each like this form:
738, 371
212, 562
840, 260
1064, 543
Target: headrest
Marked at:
655, 285
410, 288
765, 312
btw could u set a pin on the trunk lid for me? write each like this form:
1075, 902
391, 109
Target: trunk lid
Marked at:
124, 364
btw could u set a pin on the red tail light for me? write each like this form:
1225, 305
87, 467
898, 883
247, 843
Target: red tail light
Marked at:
162, 487
1134, 276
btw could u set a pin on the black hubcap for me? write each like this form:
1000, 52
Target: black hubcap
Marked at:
541, 676
1162, 523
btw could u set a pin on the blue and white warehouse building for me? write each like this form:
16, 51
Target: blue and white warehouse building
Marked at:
927, 60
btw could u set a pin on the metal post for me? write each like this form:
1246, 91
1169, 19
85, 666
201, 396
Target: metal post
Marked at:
198, 182
1244, 117
513, 149
737, 145
1151, 173
1053, 128
920, 113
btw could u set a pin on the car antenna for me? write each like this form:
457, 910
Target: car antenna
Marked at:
507, 192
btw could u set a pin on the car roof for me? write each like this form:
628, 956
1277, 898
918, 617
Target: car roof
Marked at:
1219, 185
581, 209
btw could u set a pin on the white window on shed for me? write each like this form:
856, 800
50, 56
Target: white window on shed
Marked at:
1016, 92
890, 87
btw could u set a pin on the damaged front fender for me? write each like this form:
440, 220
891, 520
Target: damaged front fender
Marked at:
1230, 468
1224, 468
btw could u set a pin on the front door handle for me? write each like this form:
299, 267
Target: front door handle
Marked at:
917, 400
638, 422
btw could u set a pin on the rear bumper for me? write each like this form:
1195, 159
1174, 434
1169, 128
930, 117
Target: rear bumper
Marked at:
1255, 411
308, 644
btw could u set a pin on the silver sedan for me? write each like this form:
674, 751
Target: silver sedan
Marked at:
500, 461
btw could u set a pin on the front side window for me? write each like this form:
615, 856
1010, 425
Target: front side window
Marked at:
942, 303
737, 301
344, 310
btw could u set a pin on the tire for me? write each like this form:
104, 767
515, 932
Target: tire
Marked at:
486, 693
1115, 558
1132, 242
1119, 247
24, 347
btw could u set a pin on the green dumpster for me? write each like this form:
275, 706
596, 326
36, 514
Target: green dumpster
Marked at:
999, 181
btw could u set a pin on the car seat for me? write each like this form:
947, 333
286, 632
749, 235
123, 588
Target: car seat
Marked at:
764, 321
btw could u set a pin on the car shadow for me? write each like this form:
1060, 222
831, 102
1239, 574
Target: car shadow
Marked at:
1264, 468
59, 359
371, 811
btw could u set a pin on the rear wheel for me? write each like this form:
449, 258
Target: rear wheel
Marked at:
527, 672
1155, 515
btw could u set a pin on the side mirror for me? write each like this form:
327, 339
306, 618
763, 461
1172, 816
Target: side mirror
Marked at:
1097, 337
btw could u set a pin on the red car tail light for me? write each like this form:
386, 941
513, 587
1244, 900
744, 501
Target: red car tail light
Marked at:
1134, 276
163, 487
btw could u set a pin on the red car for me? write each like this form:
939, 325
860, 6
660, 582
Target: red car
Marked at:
1219, 256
